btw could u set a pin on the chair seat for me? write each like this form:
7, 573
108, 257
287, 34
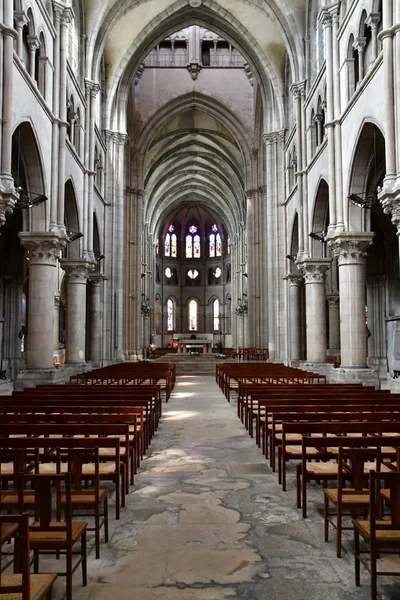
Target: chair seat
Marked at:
12, 498
349, 496
382, 535
56, 538
297, 450
84, 498
322, 468
40, 585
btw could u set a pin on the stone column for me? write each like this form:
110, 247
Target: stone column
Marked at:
386, 35
95, 317
8, 195
43, 252
295, 283
359, 45
326, 18
92, 89
12, 325
334, 321
351, 250
57, 12
314, 271
34, 45
65, 20
77, 271
298, 91
56, 329
373, 21
21, 20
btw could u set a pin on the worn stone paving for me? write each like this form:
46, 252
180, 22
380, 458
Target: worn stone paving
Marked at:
207, 520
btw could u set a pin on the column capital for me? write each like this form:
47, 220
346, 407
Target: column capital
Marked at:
298, 89
43, 247
373, 20
360, 43
390, 201
122, 138
350, 248
96, 279
8, 198
314, 269
294, 279
92, 88
333, 300
134, 192
33, 42
77, 269
325, 16
21, 18
66, 16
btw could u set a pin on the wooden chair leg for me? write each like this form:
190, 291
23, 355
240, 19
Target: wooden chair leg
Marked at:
373, 574
97, 530
106, 519
298, 484
84, 559
326, 521
338, 531
69, 573
36, 561
357, 557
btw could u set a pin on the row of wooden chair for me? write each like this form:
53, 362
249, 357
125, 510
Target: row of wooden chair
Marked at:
336, 434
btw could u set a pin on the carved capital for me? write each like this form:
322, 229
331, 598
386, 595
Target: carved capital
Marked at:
373, 20
390, 201
21, 18
314, 270
333, 300
298, 89
96, 279
77, 269
67, 16
122, 139
92, 88
325, 16
350, 248
294, 280
33, 43
8, 198
267, 138
360, 43
43, 248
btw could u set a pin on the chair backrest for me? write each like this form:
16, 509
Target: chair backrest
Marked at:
45, 492
390, 480
352, 462
77, 458
21, 586
20, 461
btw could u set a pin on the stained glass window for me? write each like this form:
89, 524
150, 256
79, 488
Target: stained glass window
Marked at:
171, 229
193, 315
216, 315
168, 272
214, 228
189, 246
193, 229
167, 246
173, 246
170, 315
196, 246
212, 245
229, 245
218, 245
158, 247
217, 273
193, 274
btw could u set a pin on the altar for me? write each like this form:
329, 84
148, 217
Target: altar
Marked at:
185, 346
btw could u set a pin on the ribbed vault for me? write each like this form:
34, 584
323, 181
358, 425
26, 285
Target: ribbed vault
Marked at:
194, 157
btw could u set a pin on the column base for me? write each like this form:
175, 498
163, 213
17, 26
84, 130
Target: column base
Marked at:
322, 368
6, 387
30, 378
355, 375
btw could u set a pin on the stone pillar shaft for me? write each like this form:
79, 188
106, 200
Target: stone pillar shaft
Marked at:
44, 249
314, 271
351, 250
95, 316
388, 83
334, 321
77, 275
8, 34
295, 283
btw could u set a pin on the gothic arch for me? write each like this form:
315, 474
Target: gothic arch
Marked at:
71, 212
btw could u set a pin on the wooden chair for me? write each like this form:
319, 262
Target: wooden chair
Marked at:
18, 462
381, 536
352, 463
47, 536
93, 501
22, 585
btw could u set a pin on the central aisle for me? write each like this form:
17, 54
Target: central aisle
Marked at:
207, 520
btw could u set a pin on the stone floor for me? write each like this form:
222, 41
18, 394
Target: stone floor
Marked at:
206, 520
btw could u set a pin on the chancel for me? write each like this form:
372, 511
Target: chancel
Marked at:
186, 182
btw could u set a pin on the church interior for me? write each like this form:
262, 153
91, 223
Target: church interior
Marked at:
189, 187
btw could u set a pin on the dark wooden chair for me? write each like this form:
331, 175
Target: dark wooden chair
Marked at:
85, 501
48, 536
352, 464
381, 535
21, 585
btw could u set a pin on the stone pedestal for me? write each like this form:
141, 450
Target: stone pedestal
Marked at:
77, 271
314, 271
43, 252
351, 250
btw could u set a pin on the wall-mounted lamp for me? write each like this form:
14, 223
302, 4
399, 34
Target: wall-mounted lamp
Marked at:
73, 235
319, 237
291, 257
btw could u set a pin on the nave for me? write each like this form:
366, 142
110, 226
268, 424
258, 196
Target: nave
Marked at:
207, 520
